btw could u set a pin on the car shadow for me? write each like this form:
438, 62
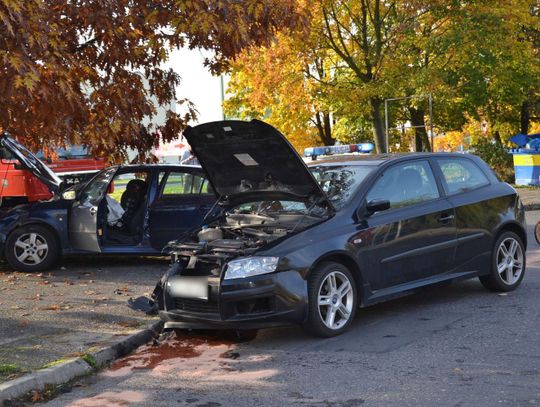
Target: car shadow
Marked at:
389, 325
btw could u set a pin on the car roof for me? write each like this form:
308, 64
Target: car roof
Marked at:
376, 159
164, 166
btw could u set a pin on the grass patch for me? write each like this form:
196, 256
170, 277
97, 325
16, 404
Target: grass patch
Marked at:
55, 362
90, 360
8, 369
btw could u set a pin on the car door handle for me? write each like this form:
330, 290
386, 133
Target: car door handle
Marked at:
446, 218
93, 211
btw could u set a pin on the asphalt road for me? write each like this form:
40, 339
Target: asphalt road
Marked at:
457, 345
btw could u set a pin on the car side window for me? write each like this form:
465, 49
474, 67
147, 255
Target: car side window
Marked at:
461, 175
405, 184
185, 183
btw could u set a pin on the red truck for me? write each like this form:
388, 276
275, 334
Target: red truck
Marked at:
17, 185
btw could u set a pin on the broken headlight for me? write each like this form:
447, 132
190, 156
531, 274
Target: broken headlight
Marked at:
250, 266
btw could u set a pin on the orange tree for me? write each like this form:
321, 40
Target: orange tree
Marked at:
91, 71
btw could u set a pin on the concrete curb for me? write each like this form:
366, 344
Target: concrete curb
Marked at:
72, 368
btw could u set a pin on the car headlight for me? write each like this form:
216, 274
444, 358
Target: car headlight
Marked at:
250, 266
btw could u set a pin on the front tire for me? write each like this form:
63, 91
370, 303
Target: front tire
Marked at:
332, 300
32, 248
507, 264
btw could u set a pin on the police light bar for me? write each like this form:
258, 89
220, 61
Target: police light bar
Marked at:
364, 148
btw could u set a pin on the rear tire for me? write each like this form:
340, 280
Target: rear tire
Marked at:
32, 248
507, 264
332, 300
537, 232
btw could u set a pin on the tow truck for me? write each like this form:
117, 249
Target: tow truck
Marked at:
72, 164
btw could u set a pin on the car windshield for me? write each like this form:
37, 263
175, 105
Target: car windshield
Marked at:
340, 182
276, 206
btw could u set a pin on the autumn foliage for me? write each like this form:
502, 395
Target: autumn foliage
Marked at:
91, 71
478, 59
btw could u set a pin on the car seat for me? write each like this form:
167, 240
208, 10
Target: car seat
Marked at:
132, 201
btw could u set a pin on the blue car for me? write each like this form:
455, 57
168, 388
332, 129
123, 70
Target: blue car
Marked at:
123, 210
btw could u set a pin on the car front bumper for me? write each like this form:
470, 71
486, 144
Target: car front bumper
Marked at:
263, 301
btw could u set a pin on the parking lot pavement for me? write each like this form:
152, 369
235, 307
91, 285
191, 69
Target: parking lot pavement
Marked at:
530, 196
456, 345
66, 312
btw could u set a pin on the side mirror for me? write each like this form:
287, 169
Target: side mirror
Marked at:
377, 205
69, 195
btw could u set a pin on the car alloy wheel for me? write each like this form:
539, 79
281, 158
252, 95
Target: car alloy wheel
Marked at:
510, 261
335, 300
31, 249
332, 300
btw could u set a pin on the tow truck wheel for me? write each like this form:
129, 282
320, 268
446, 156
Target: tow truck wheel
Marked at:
32, 248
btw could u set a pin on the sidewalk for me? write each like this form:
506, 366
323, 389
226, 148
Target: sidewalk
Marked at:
530, 196
76, 308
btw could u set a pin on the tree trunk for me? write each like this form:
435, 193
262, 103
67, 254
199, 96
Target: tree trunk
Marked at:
525, 117
378, 128
324, 128
420, 133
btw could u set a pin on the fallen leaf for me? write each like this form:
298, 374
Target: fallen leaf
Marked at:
129, 324
36, 396
52, 308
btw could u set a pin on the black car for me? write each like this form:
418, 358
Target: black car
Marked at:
122, 210
310, 246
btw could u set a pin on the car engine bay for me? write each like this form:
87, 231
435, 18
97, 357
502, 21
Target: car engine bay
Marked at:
232, 235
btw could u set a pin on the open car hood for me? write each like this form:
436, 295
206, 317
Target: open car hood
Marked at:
251, 160
30, 162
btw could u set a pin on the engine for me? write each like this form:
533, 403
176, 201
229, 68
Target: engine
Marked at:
233, 235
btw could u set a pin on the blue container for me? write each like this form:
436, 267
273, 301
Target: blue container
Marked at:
527, 167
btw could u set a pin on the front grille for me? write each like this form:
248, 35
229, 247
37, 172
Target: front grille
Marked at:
189, 305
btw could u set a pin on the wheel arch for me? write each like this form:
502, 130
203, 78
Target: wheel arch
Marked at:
512, 227
348, 261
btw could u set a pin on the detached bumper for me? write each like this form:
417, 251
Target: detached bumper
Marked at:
258, 302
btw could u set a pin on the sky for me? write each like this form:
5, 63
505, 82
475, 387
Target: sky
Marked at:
197, 85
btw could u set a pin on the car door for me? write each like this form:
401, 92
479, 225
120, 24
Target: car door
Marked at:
415, 238
184, 198
83, 216
477, 210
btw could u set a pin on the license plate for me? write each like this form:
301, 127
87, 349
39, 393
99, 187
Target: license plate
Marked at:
189, 287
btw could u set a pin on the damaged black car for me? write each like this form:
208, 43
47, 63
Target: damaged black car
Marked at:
308, 246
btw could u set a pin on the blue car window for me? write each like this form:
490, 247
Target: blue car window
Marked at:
96, 188
184, 183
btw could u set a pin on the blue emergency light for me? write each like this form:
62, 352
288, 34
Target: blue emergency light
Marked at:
364, 148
